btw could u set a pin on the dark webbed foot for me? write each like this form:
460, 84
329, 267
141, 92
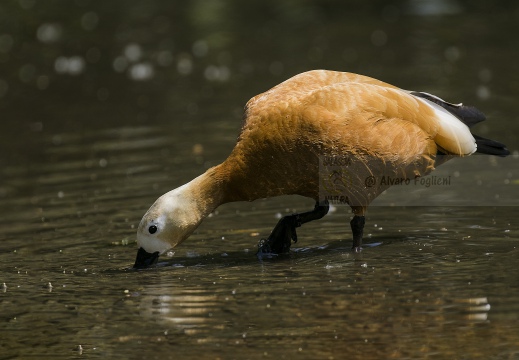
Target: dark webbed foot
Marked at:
284, 233
281, 237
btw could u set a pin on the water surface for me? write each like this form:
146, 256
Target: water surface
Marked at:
107, 106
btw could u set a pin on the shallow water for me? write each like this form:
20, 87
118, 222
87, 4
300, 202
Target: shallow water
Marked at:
88, 145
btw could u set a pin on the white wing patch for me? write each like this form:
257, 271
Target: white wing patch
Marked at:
453, 135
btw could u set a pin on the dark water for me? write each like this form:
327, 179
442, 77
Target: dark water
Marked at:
107, 105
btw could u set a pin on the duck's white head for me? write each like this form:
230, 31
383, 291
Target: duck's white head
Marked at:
169, 221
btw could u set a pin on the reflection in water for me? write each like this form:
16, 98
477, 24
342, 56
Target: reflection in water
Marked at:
190, 311
479, 308
319, 301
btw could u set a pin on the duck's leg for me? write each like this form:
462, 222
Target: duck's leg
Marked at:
357, 227
281, 237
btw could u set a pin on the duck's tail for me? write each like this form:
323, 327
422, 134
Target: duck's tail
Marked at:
470, 116
490, 147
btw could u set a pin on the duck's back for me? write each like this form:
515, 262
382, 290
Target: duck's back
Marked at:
302, 84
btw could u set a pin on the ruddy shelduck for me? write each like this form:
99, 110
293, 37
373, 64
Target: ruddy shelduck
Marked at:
371, 128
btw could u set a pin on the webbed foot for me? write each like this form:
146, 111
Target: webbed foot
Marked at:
284, 233
280, 239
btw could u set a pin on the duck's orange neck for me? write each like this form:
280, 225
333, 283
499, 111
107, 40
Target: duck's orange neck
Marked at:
211, 189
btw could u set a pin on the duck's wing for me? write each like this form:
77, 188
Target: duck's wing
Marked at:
367, 106
469, 115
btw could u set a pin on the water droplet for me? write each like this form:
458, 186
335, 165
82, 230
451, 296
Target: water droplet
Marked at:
72, 66
184, 65
142, 71
200, 48
483, 92
217, 73
133, 52
120, 64
61, 64
76, 64
49, 32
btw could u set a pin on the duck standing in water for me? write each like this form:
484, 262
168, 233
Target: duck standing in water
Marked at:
373, 128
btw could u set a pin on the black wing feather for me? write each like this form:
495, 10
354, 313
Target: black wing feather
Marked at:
469, 115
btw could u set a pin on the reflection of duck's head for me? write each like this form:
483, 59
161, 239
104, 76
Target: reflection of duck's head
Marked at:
180, 307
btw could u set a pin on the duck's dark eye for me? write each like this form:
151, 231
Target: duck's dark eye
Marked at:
152, 229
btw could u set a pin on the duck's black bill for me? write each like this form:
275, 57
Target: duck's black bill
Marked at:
145, 259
